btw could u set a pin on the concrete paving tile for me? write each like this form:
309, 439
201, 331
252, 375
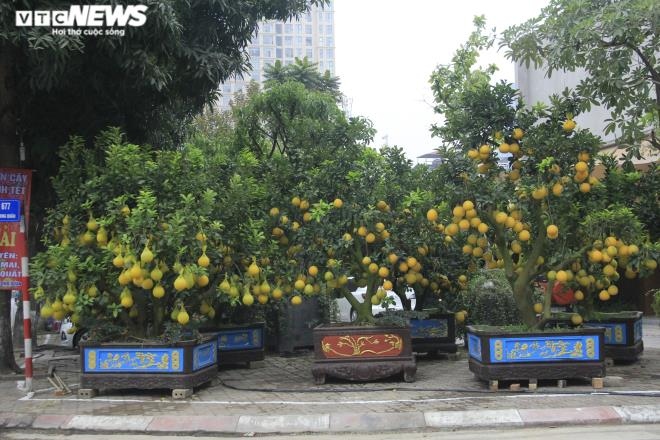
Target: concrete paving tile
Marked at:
284, 423
109, 423
194, 424
469, 419
376, 422
571, 416
51, 421
639, 413
19, 420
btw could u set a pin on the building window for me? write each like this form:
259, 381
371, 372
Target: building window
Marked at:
328, 17
330, 53
288, 28
331, 66
268, 52
308, 41
309, 53
267, 27
288, 41
267, 39
299, 52
254, 52
278, 28
299, 28
328, 29
299, 40
308, 29
278, 41
329, 41
288, 52
278, 53
308, 16
321, 40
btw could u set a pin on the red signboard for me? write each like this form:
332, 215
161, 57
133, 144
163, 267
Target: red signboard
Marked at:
14, 185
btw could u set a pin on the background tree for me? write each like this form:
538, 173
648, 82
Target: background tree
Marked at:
149, 82
304, 72
615, 41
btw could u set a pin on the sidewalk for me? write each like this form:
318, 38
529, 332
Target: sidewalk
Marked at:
280, 397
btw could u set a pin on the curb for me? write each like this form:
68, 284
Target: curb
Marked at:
340, 422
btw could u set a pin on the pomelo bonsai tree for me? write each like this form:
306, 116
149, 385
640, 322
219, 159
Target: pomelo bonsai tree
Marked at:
527, 190
142, 243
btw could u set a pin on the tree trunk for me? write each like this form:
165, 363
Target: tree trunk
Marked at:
8, 158
523, 297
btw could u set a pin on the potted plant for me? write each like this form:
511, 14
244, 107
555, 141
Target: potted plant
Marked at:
346, 240
241, 336
521, 178
137, 253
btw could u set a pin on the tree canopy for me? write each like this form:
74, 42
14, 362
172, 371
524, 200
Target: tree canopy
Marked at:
146, 82
304, 72
615, 41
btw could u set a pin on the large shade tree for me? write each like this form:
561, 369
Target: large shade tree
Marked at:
615, 41
148, 82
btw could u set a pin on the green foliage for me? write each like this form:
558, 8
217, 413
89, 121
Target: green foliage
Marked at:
656, 301
616, 221
637, 190
148, 82
616, 43
489, 299
545, 185
120, 200
472, 108
305, 73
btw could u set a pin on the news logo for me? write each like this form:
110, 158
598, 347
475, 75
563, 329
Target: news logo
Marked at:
85, 16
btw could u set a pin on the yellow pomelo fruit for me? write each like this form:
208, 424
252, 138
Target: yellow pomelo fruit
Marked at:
576, 319
158, 291
183, 318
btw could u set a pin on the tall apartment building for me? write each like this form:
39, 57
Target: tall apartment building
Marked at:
312, 36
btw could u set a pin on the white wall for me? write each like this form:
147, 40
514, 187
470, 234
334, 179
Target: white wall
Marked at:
535, 86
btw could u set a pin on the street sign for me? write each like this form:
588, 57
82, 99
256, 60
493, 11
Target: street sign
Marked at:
10, 210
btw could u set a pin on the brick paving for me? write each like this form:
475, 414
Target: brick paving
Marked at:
280, 396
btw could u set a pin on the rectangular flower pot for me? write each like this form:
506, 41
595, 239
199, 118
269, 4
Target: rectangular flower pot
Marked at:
561, 354
435, 334
240, 343
362, 353
178, 366
623, 334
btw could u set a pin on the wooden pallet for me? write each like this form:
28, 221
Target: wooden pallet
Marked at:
494, 385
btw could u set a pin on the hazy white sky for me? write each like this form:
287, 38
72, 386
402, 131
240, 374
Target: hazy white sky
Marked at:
386, 50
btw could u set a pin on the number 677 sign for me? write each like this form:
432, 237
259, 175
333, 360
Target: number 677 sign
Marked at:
10, 210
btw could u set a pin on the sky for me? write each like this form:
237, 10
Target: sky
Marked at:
386, 50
